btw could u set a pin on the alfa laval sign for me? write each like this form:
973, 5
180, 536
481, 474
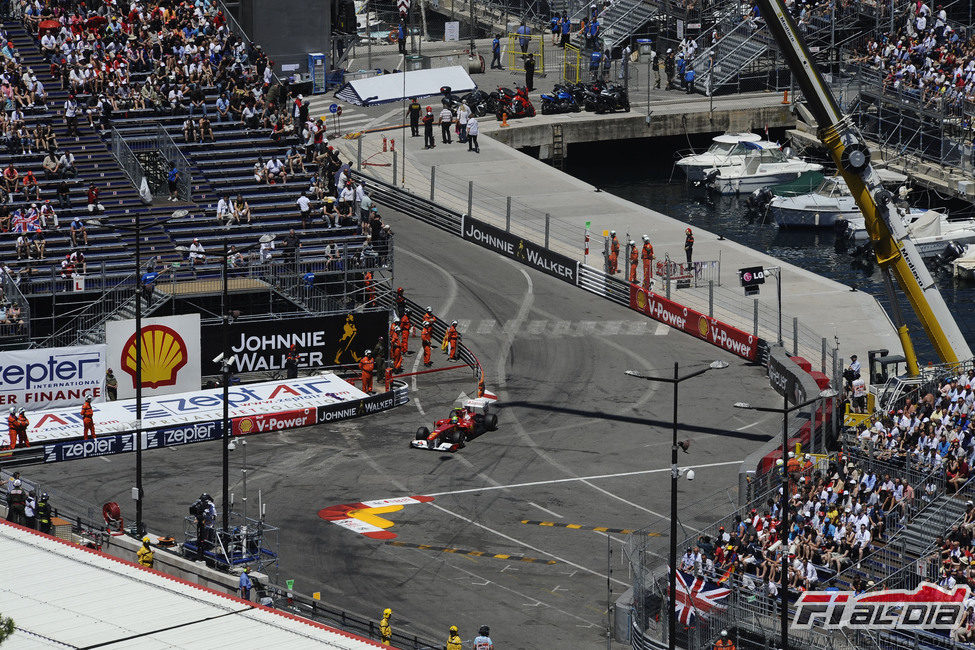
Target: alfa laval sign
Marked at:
929, 607
520, 250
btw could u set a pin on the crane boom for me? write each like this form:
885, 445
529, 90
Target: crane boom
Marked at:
895, 251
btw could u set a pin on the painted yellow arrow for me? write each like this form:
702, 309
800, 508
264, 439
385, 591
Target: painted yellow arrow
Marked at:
368, 515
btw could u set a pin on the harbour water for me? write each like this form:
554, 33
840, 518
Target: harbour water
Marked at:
643, 172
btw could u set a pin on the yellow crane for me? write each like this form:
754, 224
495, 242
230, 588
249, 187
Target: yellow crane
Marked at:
895, 251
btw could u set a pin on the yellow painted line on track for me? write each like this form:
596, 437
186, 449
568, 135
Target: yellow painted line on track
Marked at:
599, 529
461, 551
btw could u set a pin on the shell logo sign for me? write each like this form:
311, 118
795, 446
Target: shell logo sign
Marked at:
170, 354
164, 353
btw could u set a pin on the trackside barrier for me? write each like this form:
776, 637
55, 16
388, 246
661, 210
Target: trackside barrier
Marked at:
540, 258
183, 434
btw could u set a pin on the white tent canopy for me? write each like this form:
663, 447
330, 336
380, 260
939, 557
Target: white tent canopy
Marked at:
418, 83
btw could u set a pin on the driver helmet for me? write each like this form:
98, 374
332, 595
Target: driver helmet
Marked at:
368, 353
454, 418
484, 631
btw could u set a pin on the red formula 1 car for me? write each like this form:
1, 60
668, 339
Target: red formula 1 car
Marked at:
463, 424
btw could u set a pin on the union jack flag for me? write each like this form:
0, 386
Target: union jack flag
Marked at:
697, 597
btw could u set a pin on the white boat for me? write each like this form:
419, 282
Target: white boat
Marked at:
931, 231
765, 165
828, 204
964, 266
725, 150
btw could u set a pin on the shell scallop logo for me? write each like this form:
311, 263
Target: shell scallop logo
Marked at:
702, 326
164, 352
246, 425
641, 300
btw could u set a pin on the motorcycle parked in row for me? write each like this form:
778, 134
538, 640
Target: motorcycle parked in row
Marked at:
515, 103
561, 100
606, 98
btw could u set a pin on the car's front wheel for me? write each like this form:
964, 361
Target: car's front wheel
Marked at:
422, 433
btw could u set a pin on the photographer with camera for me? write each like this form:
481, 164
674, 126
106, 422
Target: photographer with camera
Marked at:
206, 514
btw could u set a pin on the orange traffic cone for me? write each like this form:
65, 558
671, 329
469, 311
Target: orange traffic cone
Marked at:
785, 96
504, 119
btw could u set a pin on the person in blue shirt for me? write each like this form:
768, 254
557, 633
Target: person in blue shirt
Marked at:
483, 639
173, 179
689, 79
523, 32
566, 30
245, 584
401, 37
496, 52
556, 26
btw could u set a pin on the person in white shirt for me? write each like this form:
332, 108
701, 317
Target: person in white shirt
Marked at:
197, 253
473, 128
266, 251
275, 171
223, 210
446, 119
463, 115
304, 208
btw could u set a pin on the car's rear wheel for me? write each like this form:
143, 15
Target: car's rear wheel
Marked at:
422, 433
491, 422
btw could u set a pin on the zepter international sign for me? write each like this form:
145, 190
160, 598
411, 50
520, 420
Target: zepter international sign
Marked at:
170, 354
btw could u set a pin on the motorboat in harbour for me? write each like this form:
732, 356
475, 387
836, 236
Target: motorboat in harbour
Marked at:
930, 231
766, 164
963, 266
829, 205
726, 149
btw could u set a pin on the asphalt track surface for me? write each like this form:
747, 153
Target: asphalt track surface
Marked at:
579, 443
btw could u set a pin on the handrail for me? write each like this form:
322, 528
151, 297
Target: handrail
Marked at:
108, 302
14, 295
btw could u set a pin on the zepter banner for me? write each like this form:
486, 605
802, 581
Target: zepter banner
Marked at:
52, 377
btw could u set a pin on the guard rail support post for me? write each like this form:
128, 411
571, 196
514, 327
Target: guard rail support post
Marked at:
394, 170
358, 156
470, 197
755, 316
823, 367
710, 298
795, 336
668, 284
507, 215
433, 180
836, 367
548, 218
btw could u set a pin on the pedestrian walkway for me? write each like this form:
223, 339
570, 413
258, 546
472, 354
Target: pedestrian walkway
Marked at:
825, 307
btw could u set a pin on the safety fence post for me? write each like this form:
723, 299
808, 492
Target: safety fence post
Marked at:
548, 218
795, 336
358, 157
433, 180
394, 171
470, 197
823, 364
507, 216
755, 316
711, 298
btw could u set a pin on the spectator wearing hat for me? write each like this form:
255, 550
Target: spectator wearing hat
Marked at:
197, 252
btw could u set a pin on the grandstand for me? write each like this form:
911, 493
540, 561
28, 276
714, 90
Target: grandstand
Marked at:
324, 275
904, 473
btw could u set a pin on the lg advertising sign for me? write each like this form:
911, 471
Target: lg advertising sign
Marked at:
52, 377
320, 341
170, 354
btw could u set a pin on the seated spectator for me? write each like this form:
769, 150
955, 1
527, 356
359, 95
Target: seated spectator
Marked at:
22, 247
93, 204
275, 171
78, 233
241, 209
223, 109
11, 178
29, 184
204, 129
260, 171
78, 261
293, 159
38, 244
52, 169
49, 218
66, 161
189, 130
197, 252
64, 195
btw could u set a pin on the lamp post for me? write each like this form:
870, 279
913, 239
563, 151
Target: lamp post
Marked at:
137, 229
784, 501
225, 364
675, 381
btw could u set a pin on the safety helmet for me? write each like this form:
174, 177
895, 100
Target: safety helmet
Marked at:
484, 630
22, 410
146, 539
387, 613
778, 461
646, 238
368, 352
688, 231
399, 290
453, 322
44, 496
17, 483
632, 243
426, 323
397, 328
429, 309
612, 233
792, 454
453, 629
724, 633
12, 410
406, 311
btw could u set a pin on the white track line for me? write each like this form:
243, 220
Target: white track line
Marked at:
554, 514
575, 478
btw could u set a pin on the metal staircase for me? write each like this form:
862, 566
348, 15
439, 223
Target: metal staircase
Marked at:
621, 20
125, 311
